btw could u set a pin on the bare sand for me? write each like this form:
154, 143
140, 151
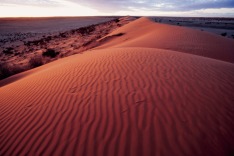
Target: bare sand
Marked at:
145, 33
130, 96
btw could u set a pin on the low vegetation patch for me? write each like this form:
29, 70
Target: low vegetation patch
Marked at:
50, 53
86, 30
117, 20
224, 34
7, 70
8, 51
4, 71
35, 62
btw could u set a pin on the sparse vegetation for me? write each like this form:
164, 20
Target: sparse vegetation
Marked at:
35, 62
63, 35
50, 53
31, 46
86, 30
88, 43
117, 20
7, 70
8, 51
224, 34
4, 71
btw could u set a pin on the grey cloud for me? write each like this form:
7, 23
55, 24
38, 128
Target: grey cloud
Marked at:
157, 5
128, 5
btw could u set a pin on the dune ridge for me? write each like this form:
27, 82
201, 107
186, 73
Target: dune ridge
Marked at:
146, 33
121, 101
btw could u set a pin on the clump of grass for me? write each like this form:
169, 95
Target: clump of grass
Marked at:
35, 62
50, 53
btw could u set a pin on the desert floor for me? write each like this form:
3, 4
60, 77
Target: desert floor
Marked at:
220, 26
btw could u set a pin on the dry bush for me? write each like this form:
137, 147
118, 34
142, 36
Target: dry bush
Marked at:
7, 70
50, 53
224, 34
8, 51
35, 62
4, 70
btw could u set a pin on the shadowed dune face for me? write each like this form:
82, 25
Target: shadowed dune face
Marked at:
145, 33
121, 101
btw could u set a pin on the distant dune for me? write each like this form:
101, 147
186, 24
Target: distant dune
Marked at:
148, 89
145, 33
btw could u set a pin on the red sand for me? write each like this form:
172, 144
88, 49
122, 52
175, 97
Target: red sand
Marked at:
144, 33
124, 101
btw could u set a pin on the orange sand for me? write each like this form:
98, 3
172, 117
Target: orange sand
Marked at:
128, 98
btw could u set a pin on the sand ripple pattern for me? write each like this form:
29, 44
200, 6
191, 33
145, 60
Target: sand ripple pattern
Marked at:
121, 102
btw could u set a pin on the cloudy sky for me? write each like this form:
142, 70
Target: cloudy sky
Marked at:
29, 8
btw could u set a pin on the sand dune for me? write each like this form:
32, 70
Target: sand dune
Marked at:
121, 101
145, 33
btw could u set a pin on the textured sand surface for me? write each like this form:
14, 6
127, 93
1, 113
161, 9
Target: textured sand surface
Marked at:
145, 33
122, 101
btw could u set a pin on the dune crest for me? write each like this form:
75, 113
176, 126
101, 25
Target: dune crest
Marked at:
130, 99
146, 33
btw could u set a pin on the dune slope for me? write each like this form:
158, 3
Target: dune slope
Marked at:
146, 91
121, 101
146, 33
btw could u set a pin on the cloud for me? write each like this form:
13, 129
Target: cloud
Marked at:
128, 5
156, 5
41, 3
44, 8
131, 7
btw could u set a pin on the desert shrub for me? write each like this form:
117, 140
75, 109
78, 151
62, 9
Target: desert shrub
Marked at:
48, 38
117, 20
8, 51
35, 62
87, 43
63, 35
224, 34
15, 69
86, 30
5, 70
50, 53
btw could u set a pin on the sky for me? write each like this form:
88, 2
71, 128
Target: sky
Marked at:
42, 8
